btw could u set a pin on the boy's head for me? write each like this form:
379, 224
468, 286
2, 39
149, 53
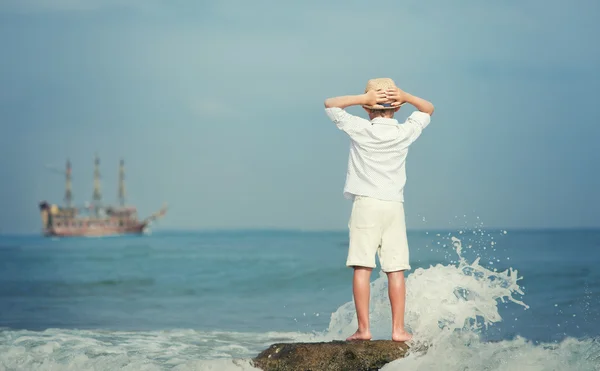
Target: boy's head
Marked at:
385, 109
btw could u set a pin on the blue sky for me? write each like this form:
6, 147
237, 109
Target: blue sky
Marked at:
217, 108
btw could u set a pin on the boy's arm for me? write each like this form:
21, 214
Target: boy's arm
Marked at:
400, 97
334, 107
370, 99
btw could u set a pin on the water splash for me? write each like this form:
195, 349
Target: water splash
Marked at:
440, 299
447, 307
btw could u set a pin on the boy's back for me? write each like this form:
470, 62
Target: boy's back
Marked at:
378, 150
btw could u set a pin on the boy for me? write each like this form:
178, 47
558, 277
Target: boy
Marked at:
375, 181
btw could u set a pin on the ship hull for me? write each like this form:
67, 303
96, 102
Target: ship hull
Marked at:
94, 232
109, 221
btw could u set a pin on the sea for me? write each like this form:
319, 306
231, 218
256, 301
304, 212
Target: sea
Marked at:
478, 298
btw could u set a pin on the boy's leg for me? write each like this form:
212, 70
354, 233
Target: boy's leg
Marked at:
361, 288
394, 258
397, 294
365, 237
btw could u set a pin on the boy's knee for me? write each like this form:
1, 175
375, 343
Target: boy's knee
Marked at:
360, 268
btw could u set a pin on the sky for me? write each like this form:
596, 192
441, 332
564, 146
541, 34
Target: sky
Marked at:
217, 108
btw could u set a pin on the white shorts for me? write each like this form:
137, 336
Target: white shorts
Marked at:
378, 227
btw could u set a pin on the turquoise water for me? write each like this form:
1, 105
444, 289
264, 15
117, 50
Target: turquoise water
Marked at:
527, 300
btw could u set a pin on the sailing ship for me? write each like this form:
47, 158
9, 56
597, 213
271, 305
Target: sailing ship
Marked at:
94, 219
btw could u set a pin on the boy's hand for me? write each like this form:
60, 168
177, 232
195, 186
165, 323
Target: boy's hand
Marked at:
374, 97
397, 96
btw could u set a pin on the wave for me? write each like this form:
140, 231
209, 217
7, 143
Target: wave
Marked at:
97, 350
70, 289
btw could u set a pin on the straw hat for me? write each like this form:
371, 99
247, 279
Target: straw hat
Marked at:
383, 83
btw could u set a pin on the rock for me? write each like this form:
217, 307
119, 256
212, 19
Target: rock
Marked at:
332, 356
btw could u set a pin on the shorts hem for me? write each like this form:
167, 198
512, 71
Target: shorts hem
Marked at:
362, 265
396, 268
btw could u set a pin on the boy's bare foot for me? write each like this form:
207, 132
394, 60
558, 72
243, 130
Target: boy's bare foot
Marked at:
360, 335
401, 336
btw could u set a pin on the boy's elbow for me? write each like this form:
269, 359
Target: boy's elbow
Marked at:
328, 103
430, 109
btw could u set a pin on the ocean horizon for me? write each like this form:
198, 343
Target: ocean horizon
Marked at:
162, 230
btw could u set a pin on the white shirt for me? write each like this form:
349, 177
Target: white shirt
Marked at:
378, 149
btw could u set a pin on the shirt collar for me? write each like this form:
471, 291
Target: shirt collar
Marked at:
384, 121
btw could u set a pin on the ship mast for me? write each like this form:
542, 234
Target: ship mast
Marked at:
68, 192
122, 183
97, 197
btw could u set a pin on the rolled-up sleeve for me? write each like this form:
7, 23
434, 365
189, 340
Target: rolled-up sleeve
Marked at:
415, 123
419, 118
345, 121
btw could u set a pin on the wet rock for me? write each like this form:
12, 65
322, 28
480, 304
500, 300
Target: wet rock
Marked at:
332, 356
